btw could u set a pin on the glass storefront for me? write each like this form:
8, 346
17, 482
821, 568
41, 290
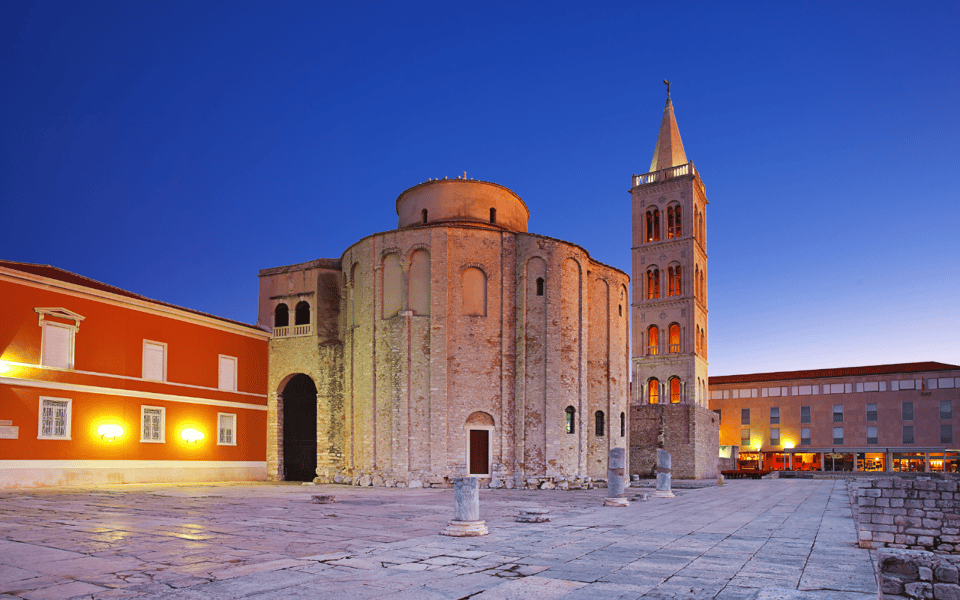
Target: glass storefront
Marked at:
871, 461
838, 461
908, 462
749, 460
806, 461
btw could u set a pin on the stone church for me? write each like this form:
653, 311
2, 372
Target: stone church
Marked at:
458, 343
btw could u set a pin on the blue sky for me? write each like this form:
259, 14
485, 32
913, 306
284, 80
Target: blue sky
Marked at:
175, 148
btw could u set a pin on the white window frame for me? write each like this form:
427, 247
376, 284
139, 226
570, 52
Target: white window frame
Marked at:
232, 385
67, 427
163, 424
143, 372
233, 429
72, 329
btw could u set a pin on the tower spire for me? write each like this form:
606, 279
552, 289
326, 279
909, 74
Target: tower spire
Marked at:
669, 151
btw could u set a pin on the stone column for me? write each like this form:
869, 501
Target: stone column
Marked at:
664, 463
888, 462
616, 470
466, 509
855, 460
823, 461
791, 461
926, 462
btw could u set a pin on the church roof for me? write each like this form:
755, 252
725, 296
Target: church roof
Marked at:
669, 151
915, 367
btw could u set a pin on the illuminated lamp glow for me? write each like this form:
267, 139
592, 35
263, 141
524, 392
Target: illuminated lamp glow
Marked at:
789, 445
110, 431
191, 435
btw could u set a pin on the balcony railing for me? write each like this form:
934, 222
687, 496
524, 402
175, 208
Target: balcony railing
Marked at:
653, 350
664, 174
674, 348
292, 331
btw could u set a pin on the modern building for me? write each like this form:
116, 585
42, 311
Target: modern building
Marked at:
100, 385
669, 403
899, 417
458, 343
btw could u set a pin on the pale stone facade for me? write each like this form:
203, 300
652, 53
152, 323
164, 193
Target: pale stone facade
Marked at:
670, 310
455, 344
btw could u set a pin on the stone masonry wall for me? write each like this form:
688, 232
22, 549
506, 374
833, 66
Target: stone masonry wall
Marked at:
919, 514
917, 574
690, 435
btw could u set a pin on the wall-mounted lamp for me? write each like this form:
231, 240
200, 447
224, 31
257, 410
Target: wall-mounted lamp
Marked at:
191, 435
110, 431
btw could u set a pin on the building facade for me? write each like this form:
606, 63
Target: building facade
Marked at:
458, 343
669, 360
900, 417
99, 385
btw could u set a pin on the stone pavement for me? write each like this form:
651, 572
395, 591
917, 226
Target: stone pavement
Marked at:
265, 541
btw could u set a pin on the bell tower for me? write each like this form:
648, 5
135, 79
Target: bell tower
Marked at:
669, 275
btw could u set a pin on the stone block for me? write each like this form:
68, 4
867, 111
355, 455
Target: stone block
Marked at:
925, 485
867, 501
925, 540
907, 521
918, 589
882, 483
947, 573
932, 523
947, 486
883, 502
884, 519
883, 537
863, 535
890, 584
907, 540
921, 531
925, 573
896, 502
871, 493
946, 591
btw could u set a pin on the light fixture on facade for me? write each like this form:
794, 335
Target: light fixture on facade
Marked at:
110, 431
191, 435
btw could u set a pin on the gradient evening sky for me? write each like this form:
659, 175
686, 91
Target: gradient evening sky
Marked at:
174, 148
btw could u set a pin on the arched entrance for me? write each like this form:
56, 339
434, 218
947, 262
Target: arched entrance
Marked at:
299, 429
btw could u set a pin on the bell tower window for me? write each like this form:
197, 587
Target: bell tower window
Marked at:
673, 222
653, 391
653, 225
653, 340
653, 284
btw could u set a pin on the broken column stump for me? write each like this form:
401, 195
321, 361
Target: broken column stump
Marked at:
663, 475
533, 515
466, 509
616, 474
324, 499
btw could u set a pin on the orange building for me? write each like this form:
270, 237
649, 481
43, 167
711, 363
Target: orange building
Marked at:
100, 385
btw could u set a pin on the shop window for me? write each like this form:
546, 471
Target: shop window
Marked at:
838, 413
774, 415
154, 361
599, 423
872, 413
744, 416
653, 284
908, 434
946, 433
946, 410
152, 424
226, 429
775, 436
55, 417
227, 373
838, 435
301, 315
281, 316
653, 340
872, 434
907, 411
623, 424
653, 391
804, 436
674, 390
744, 438
570, 416
804, 414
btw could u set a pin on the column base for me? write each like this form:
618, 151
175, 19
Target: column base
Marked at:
663, 494
465, 529
615, 502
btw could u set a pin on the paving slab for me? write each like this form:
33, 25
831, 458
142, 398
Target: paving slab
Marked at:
211, 541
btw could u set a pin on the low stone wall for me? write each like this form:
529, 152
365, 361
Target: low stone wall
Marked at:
919, 514
918, 574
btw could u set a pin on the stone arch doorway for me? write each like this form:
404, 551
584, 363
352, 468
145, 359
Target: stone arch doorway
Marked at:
299, 429
479, 428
